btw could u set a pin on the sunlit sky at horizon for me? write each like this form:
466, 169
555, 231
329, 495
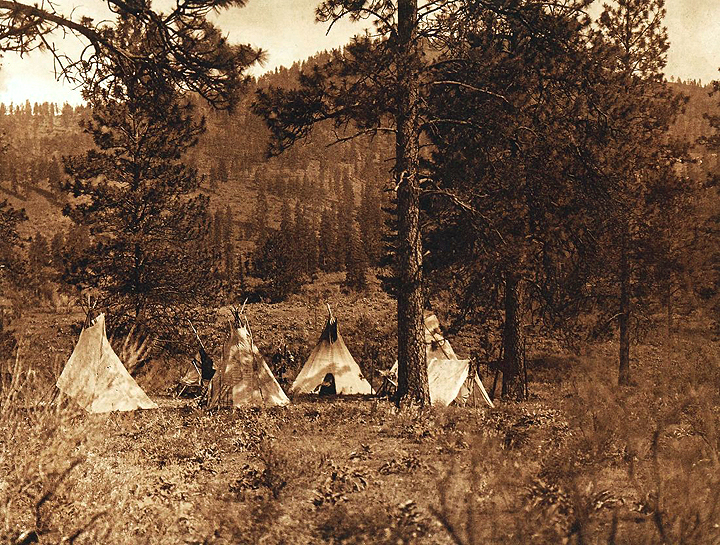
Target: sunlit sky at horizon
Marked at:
286, 30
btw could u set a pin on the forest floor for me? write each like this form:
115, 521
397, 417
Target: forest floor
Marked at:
581, 461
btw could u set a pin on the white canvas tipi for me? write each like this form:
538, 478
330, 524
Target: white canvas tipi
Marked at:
331, 357
95, 377
244, 378
447, 374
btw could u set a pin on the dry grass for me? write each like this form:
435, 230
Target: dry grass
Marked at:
583, 461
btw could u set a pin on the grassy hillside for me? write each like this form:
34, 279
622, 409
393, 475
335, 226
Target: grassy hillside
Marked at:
44, 214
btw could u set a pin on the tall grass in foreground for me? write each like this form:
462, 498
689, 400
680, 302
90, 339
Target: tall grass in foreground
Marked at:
633, 465
41, 449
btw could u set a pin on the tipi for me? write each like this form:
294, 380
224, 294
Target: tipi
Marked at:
196, 381
330, 362
96, 378
447, 374
244, 378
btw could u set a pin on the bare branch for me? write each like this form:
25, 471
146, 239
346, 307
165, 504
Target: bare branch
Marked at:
472, 88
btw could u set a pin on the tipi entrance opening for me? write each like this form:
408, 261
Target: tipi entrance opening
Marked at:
327, 386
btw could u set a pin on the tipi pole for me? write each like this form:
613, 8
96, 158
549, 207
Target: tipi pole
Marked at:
196, 335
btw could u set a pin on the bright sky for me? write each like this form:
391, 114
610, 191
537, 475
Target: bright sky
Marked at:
287, 31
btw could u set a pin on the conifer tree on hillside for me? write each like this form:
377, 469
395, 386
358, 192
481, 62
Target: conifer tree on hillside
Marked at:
138, 199
260, 214
708, 245
343, 225
327, 240
228, 238
356, 263
11, 264
306, 241
370, 220
57, 246
640, 163
277, 259
39, 261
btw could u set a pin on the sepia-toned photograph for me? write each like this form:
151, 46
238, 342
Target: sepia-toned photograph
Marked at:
345, 272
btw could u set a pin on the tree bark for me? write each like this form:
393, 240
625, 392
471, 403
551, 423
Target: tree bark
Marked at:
512, 384
624, 315
668, 309
412, 364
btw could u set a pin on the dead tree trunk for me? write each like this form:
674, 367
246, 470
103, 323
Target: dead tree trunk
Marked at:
412, 365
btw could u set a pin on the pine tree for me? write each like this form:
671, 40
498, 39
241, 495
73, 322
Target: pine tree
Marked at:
188, 51
327, 240
313, 249
641, 163
370, 221
228, 237
356, 263
302, 234
39, 260
11, 264
286, 219
343, 227
57, 248
138, 199
375, 81
509, 203
54, 174
707, 242
276, 259
260, 214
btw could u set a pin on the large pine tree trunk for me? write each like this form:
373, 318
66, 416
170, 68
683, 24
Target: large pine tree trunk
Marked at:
668, 309
624, 315
412, 366
512, 384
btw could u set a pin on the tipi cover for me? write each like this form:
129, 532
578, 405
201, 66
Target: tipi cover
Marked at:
244, 378
96, 378
331, 356
445, 378
447, 375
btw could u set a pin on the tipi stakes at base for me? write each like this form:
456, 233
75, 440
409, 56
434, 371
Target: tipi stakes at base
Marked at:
95, 377
331, 357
